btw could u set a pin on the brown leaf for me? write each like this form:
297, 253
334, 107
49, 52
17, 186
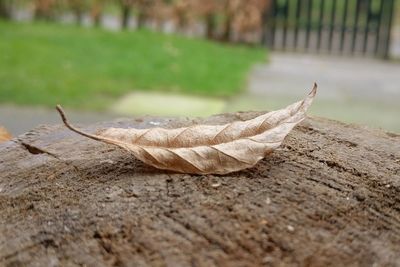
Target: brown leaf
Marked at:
4, 135
205, 149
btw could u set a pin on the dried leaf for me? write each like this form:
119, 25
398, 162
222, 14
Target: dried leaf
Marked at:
205, 149
4, 135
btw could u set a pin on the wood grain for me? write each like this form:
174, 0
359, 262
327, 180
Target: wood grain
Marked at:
329, 197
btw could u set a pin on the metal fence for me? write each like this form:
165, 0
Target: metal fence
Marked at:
334, 26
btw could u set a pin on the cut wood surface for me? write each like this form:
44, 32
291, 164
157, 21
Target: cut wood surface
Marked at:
330, 196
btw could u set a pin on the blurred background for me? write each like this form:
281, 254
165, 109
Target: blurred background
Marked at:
105, 59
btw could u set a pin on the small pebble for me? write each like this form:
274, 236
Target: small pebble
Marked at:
290, 228
387, 186
215, 185
154, 123
268, 201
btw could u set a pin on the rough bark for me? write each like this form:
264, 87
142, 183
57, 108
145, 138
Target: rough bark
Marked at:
329, 197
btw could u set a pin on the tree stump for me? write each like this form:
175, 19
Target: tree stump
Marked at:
330, 196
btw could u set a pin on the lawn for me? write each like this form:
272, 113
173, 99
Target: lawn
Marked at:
45, 64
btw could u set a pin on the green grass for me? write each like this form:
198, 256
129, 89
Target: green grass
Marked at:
45, 64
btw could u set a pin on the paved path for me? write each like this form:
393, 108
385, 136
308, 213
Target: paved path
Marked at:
18, 120
338, 77
359, 90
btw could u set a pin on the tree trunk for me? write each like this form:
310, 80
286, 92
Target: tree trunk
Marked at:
330, 196
182, 21
96, 14
141, 19
126, 13
210, 26
97, 20
5, 9
78, 16
227, 33
43, 10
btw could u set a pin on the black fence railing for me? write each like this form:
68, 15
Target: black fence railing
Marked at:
334, 26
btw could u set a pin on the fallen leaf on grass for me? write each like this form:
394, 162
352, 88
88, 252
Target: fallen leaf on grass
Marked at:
4, 135
207, 149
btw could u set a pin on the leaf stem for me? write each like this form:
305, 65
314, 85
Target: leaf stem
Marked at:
72, 128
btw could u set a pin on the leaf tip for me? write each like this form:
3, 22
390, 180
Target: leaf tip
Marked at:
314, 89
